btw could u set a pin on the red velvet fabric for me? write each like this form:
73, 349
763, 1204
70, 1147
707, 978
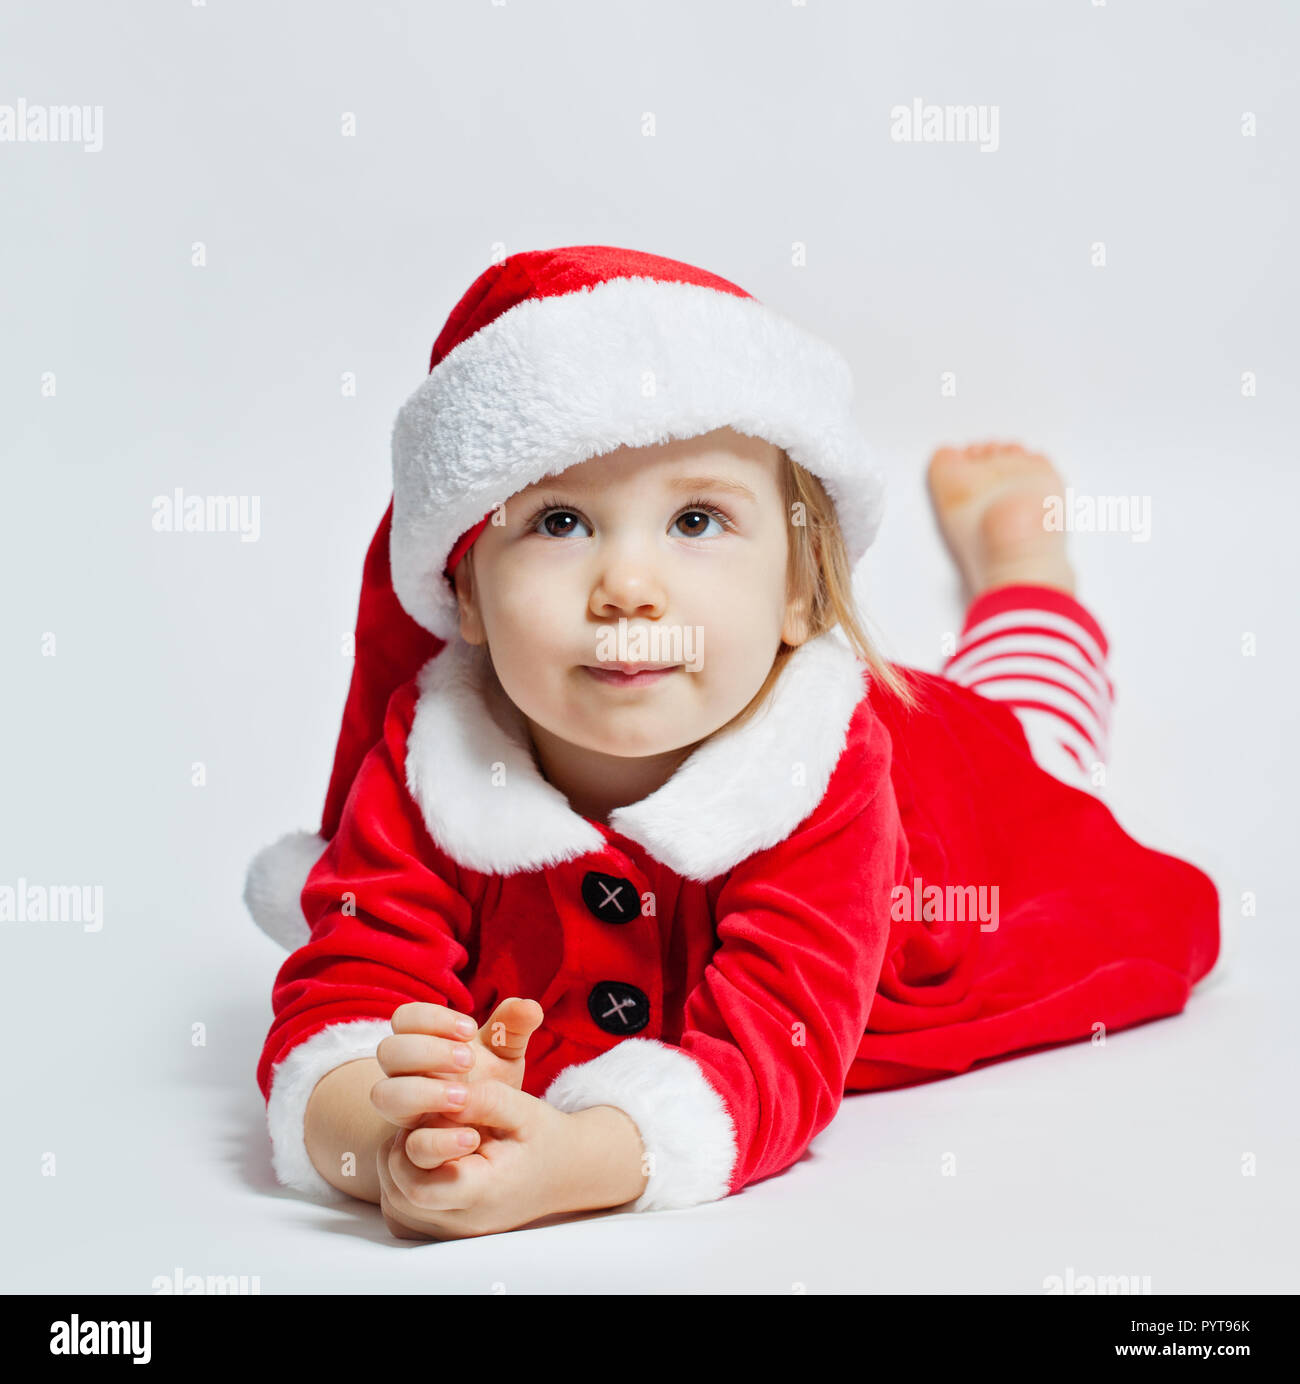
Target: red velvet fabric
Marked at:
1094, 928
550, 273
807, 985
390, 649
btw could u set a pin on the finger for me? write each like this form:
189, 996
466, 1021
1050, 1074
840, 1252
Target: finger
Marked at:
395, 1228
444, 1188
494, 1105
436, 1019
441, 1122
405, 1100
513, 1023
419, 1054
389, 1196
432, 1147
392, 1203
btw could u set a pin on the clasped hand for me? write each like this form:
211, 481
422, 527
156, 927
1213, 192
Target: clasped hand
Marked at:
512, 1169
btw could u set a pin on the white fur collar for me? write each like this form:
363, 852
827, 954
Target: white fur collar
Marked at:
470, 768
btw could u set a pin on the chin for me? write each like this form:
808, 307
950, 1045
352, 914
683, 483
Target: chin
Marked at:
630, 747
626, 742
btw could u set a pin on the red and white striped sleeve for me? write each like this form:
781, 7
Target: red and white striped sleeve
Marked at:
1040, 651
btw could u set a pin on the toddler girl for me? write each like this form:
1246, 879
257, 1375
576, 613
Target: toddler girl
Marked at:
637, 856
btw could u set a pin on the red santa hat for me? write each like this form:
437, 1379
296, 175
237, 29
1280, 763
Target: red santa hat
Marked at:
550, 358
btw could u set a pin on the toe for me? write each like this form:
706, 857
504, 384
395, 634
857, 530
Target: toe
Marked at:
945, 470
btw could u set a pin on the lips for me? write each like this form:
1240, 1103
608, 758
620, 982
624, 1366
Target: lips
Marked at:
631, 674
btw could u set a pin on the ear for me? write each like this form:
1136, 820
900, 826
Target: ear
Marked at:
797, 626
794, 630
471, 622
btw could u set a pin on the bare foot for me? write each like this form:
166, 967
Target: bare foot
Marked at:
988, 500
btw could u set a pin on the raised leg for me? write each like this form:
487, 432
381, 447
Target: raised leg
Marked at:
1043, 654
1027, 640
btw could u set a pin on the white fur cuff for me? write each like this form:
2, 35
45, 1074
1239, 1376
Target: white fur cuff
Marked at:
685, 1126
292, 1081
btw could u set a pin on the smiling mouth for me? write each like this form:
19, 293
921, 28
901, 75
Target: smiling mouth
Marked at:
630, 674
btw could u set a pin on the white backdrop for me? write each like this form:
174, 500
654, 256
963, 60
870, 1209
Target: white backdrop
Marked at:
1164, 132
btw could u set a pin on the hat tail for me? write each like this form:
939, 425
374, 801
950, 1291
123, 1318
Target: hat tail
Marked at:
390, 650
274, 883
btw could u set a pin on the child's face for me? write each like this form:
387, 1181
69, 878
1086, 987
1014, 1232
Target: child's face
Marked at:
629, 542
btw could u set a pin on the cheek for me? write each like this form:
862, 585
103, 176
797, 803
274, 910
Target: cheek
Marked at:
751, 599
524, 624
529, 581
738, 646
757, 574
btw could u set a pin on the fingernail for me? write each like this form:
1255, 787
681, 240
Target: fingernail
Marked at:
462, 1057
466, 1138
466, 1027
457, 1095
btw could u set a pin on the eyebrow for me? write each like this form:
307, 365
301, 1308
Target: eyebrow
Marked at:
711, 483
678, 483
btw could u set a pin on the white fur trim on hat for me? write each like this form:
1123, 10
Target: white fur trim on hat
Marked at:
274, 883
555, 381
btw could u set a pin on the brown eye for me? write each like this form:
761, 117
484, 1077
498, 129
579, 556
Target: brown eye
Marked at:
555, 522
698, 518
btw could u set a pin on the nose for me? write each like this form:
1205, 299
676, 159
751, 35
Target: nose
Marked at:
627, 585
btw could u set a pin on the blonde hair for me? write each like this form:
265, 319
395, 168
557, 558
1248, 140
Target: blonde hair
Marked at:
819, 576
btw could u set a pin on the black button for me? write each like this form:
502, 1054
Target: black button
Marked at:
618, 1007
611, 899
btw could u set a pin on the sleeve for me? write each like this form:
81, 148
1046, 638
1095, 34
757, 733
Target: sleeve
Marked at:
388, 923
772, 1029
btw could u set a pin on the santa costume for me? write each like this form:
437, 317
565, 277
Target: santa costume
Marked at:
729, 956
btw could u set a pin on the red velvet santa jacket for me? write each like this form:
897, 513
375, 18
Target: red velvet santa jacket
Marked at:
710, 960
